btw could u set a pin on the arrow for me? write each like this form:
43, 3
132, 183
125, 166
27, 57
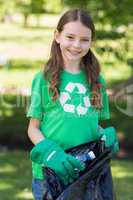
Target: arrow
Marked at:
70, 86
86, 101
69, 108
64, 96
81, 88
81, 110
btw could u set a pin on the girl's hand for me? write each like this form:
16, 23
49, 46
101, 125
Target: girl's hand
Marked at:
48, 154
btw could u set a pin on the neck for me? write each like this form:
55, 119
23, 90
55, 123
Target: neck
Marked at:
72, 67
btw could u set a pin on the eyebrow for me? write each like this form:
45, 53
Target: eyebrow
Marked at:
71, 34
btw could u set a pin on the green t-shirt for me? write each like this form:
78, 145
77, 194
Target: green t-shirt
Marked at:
70, 120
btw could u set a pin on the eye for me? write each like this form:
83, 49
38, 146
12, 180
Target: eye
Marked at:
70, 37
85, 40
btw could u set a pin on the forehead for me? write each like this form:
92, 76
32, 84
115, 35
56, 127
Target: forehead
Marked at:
76, 28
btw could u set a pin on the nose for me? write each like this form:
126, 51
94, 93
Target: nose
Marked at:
76, 44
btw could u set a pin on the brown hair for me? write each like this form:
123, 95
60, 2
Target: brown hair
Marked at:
90, 63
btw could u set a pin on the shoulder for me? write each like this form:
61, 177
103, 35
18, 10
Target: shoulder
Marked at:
102, 80
39, 78
39, 82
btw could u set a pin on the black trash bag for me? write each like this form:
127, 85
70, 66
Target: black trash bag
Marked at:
94, 183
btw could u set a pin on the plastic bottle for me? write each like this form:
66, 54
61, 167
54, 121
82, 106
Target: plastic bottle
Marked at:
86, 156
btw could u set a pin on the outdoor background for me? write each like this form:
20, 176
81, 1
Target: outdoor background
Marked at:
26, 32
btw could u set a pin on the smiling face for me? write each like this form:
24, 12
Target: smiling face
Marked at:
74, 41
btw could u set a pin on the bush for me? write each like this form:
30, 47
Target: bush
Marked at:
13, 122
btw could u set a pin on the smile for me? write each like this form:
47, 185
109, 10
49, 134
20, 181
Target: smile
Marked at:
74, 52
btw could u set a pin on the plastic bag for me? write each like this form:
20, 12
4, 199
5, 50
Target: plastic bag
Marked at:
94, 183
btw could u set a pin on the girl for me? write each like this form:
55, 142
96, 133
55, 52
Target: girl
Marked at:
68, 100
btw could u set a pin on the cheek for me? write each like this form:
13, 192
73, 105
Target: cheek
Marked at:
86, 47
64, 44
63, 47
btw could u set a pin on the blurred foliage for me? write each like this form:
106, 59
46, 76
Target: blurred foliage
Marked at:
106, 11
55, 6
37, 7
13, 121
6, 9
28, 7
24, 7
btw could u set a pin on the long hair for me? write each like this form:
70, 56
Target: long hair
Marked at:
89, 62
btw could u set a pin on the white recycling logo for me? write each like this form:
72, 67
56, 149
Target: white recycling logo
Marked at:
66, 95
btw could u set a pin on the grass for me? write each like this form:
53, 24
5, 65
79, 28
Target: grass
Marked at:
123, 179
16, 176
15, 173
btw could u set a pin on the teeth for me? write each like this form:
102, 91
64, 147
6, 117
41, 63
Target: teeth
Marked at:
74, 52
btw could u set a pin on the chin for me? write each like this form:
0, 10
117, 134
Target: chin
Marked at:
76, 58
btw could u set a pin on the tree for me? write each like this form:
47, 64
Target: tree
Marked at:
37, 7
55, 6
114, 12
76, 3
24, 7
6, 9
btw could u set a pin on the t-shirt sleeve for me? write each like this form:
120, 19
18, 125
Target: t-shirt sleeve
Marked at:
35, 109
104, 112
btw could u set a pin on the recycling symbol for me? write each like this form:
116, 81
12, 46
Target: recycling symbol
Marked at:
66, 97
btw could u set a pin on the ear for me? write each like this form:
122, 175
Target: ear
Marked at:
57, 36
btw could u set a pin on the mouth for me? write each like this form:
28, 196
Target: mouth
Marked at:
73, 52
